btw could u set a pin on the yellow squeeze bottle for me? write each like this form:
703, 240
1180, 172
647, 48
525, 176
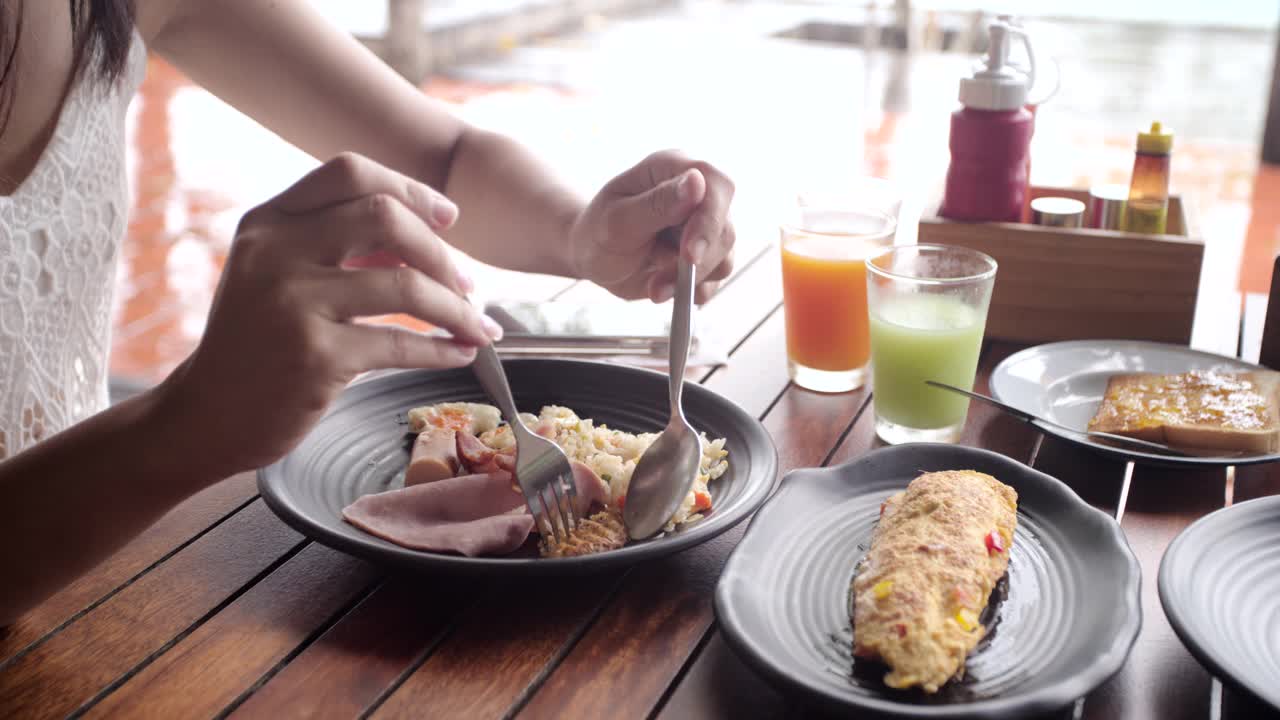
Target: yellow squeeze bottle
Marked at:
1147, 210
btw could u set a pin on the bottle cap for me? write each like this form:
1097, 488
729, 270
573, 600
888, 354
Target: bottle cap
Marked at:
997, 84
1106, 206
1157, 141
1057, 212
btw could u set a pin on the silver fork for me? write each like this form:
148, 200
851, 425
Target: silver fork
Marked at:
542, 470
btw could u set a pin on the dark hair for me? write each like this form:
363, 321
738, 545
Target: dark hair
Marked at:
101, 32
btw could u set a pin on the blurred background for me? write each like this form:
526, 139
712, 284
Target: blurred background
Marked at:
782, 94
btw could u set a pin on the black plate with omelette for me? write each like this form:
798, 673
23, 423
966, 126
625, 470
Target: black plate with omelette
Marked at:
1067, 614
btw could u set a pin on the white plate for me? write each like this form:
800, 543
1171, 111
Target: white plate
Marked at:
1065, 381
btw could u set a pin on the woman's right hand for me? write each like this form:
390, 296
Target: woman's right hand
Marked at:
280, 343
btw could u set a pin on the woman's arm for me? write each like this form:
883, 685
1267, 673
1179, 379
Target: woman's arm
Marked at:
75, 498
316, 86
313, 84
281, 342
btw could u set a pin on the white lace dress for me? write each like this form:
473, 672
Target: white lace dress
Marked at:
60, 236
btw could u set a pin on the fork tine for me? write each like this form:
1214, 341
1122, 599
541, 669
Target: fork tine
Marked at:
557, 494
563, 505
539, 520
571, 495
550, 518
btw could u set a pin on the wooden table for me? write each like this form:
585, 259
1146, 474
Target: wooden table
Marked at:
221, 610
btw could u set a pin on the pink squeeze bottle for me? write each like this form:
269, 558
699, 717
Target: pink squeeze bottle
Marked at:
991, 137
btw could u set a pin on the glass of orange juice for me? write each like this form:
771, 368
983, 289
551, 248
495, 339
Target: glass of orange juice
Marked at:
824, 281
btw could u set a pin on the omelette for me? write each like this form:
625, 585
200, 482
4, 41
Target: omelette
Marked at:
939, 549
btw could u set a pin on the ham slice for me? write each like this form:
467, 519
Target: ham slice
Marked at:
435, 457
592, 491
480, 458
472, 515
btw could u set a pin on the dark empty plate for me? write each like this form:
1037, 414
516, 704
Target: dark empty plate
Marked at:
1220, 586
1062, 620
361, 446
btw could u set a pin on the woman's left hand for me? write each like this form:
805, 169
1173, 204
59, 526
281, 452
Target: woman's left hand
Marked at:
615, 241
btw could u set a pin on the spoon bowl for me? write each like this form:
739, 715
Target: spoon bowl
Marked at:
662, 479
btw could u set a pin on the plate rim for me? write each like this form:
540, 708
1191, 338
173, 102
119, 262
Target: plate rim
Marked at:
1178, 619
1052, 697
385, 553
1130, 455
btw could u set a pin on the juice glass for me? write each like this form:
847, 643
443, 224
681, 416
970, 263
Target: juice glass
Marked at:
824, 282
928, 310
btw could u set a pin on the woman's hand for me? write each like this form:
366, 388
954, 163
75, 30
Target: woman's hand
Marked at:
280, 343
615, 241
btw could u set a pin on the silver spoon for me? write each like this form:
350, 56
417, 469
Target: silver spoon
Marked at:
667, 469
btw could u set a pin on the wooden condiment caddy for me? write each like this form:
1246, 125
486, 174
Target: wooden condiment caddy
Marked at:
1078, 283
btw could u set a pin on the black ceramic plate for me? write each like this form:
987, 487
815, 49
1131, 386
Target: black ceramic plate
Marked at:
1062, 621
1064, 382
361, 446
1220, 586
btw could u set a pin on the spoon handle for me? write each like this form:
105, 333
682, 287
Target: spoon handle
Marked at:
681, 332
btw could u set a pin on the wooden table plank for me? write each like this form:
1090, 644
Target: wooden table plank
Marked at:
719, 685
990, 428
177, 527
1256, 481
349, 668
1096, 478
756, 375
752, 294
223, 658
78, 663
1160, 680
500, 648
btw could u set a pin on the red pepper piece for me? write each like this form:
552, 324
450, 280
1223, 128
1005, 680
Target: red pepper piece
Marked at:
902, 630
995, 543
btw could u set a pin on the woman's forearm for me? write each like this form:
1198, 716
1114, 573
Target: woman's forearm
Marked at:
513, 214
316, 86
77, 497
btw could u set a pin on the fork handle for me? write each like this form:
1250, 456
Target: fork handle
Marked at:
488, 370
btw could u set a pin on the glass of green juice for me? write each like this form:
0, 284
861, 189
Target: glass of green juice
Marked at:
927, 307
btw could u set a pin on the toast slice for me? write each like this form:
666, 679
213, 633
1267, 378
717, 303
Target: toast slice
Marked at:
1199, 410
